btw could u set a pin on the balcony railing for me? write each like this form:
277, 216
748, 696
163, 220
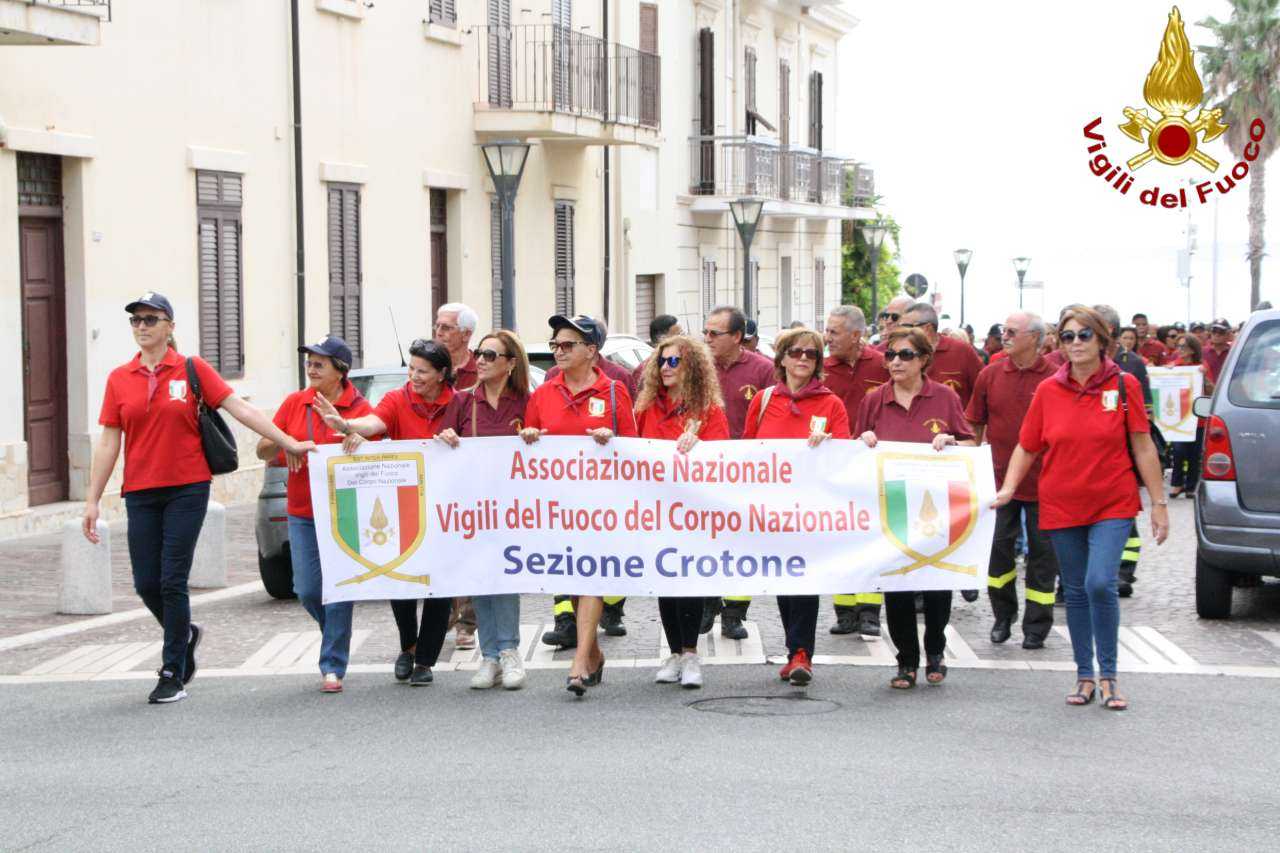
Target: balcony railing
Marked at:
751, 165
550, 68
99, 7
799, 173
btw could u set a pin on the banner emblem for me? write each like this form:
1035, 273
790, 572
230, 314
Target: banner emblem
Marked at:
928, 508
378, 512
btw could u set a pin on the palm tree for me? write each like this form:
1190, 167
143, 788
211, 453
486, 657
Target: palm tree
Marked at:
1242, 74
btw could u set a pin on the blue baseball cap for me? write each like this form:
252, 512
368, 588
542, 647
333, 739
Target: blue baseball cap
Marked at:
588, 327
332, 346
752, 330
151, 299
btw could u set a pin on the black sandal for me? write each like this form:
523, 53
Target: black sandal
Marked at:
934, 666
904, 680
596, 677
576, 684
1110, 700
1081, 698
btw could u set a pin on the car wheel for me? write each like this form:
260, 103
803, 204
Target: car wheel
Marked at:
277, 575
1213, 591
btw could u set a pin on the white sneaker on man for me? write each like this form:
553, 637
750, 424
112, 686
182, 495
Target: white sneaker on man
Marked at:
669, 672
486, 676
691, 671
512, 669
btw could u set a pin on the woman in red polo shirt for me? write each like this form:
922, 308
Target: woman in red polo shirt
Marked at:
798, 406
914, 408
680, 401
580, 400
417, 410
1091, 430
327, 364
166, 478
495, 407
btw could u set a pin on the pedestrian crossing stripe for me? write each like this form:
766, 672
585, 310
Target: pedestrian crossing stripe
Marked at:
1140, 649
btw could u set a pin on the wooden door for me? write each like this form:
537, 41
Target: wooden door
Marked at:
44, 358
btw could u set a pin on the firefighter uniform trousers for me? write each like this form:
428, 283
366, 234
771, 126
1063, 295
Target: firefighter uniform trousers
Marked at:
1129, 557
1042, 569
867, 603
563, 604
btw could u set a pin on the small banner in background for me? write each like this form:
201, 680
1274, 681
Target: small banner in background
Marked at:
1173, 389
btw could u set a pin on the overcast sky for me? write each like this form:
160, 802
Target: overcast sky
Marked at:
972, 114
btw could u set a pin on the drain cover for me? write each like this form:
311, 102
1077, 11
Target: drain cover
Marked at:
765, 706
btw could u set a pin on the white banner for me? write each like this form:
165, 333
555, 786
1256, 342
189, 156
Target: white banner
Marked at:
411, 519
1173, 389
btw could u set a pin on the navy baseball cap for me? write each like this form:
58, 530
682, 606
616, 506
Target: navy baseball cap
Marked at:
1220, 325
151, 299
332, 346
588, 327
752, 330
1197, 326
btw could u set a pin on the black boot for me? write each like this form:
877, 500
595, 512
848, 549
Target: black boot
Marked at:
731, 626
564, 634
611, 620
710, 610
1001, 630
869, 621
846, 620
970, 595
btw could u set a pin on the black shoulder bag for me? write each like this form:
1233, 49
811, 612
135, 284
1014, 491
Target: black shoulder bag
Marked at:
219, 444
1128, 443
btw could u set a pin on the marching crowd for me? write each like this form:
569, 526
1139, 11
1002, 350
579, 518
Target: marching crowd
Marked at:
1063, 406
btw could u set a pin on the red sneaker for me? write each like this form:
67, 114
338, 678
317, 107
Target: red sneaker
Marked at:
785, 672
801, 669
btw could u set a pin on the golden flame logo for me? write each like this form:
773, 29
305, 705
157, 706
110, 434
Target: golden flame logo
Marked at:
1173, 88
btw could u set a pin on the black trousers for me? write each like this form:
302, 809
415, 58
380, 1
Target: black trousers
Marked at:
799, 621
426, 638
1042, 569
1186, 455
164, 525
900, 613
681, 618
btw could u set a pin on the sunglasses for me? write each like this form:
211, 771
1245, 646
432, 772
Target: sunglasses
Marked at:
1009, 333
889, 315
672, 361
564, 346
903, 354
912, 325
488, 355
712, 333
148, 320
807, 353
1069, 336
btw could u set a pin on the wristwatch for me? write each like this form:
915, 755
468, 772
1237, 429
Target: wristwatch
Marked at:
1162, 502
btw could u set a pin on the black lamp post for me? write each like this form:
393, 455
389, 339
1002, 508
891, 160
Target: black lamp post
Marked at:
746, 216
873, 234
962, 256
1020, 266
506, 160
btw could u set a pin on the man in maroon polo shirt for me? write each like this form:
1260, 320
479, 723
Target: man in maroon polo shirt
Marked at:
1148, 347
455, 324
889, 317
1001, 397
954, 364
742, 375
1215, 354
853, 368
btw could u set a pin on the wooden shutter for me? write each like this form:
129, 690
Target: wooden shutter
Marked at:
439, 249
219, 200
784, 103
708, 285
443, 12
785, 295
649, 28
345, 267
498, 36
495, 259
646, 303
749, 83
564, 258
819, 292
815, 110
707, 108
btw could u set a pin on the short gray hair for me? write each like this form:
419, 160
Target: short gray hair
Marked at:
467, 319
926, 312
1035, 325
1112, 316
851, 313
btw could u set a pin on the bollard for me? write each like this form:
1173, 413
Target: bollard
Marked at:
86, 570
209, 568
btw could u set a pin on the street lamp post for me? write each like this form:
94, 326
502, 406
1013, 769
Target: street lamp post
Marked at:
1020, 266
506, 160
746, 216
962, 256
873, 234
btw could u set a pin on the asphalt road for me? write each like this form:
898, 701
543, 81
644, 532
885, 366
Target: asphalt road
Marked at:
984, 762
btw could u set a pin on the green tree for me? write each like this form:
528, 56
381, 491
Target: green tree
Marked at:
855, 273
1242, 78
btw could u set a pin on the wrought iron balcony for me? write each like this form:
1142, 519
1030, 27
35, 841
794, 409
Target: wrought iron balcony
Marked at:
99, 7
731, 166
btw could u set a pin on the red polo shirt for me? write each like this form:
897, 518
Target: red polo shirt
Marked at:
466, 376
473, 416
157, 413
934, 410
1153, 351
1086, 473
1055, 359
663, 420
997, 356
554, 409
793, 417
408, 416
292, 418
1000, 400
852, 382
740, 382
1213, 361
955, 365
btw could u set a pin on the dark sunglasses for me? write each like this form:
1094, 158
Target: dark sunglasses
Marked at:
1069, 336
488, 355
712, 333
672, 361
808, 353
148, 320
912, 325
564, 346
889, 315
904, 354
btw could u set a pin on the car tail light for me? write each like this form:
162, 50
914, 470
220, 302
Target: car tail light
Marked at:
1219, 463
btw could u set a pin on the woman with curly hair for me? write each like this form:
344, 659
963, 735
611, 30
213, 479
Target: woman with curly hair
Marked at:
680, 400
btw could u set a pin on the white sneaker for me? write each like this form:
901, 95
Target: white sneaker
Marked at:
486, 676
691, 671
512, 669
669, 672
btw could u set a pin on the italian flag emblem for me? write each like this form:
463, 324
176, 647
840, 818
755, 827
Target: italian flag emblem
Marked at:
928, 508
378, 510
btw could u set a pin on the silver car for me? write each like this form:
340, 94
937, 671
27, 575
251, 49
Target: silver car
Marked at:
1238, 500
272, 522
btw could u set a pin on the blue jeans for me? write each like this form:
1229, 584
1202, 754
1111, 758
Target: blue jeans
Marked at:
334, 619
1089, 563
497, 623
164, 524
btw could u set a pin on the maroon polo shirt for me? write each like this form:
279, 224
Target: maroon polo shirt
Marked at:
935, 410
466, 376
1153, 351
474, 417
739, 382
955, 365
852, 382
1001, 397
1056, 359
1213, 361
608, 368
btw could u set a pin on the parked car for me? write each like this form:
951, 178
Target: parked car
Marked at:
626, 350
272, 523
1238, 499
